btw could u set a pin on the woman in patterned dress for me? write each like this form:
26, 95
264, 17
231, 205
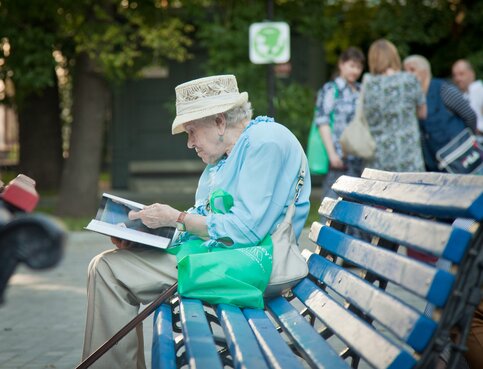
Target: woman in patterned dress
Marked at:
393, 102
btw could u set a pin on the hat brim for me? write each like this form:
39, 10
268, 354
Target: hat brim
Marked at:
180, 120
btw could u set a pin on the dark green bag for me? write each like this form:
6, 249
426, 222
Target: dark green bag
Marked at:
236, 274
316, 152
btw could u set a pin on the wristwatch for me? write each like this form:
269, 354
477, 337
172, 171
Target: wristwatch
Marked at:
180, 226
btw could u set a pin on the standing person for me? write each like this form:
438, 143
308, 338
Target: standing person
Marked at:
335, 107
253, 167
393, 101
464, 78
448, 113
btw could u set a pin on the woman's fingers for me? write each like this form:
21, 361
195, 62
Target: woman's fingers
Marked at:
120, 243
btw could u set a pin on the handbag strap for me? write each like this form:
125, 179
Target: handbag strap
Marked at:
332, 113
298, 187
360, 100
301, 178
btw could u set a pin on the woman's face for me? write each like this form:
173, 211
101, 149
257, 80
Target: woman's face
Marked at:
350, 70
204, 137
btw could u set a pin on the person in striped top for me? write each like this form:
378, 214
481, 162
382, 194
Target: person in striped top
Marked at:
448, 112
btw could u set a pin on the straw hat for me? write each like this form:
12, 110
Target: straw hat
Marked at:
204, 97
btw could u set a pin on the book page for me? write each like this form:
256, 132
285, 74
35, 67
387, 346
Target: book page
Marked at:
112, 219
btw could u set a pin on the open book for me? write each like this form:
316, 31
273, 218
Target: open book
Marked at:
112, 220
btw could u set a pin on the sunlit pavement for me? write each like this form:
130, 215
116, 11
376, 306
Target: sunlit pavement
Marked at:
43, 317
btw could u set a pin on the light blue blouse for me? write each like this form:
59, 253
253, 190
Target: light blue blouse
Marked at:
260, 173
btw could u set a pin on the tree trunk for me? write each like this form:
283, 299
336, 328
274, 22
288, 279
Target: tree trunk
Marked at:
80, 179
40, 138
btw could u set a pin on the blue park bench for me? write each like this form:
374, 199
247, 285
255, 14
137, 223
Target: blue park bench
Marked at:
362, 304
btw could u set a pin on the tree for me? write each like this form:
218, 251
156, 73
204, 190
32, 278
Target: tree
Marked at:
113, 40
28, 35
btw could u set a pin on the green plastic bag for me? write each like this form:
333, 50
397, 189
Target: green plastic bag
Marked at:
236, 274
316, 151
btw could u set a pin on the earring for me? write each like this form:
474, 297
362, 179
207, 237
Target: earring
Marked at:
220, 138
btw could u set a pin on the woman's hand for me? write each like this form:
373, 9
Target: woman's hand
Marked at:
120, 243
336, 162
156, 215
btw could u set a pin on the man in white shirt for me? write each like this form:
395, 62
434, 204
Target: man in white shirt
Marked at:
464, 78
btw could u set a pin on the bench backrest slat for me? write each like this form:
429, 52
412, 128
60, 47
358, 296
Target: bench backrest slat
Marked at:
440, 179
163, 344
424, 280
420, 234
241, 340
201, 351
401, 319
276, 351
315, 350
423, 199
359, 335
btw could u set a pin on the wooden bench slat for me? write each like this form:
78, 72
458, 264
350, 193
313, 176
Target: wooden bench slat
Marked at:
313, 347
201, 351
431, 237
242, 342
376, 349
399, 318
275, 349
433, 178
422, 199
163, 353
424, 280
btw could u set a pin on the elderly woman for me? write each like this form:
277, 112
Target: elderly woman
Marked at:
448, 112
243, 194
393, 101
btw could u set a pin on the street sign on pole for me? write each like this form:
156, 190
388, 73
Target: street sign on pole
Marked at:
269, 42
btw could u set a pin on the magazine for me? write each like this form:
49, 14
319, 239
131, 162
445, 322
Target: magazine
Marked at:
112, 220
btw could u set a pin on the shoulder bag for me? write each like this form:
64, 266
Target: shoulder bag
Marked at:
462, 155
356, 139
288, 264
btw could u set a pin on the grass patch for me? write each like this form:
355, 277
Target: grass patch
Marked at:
313, 214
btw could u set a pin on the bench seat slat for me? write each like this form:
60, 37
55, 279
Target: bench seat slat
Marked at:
358, 334
313, 347
276, 350
200, 346
424, 280
423, 199
241, 340
163, 353
399, 318
432, 178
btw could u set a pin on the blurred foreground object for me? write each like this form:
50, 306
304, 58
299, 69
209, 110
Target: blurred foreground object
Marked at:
32, 239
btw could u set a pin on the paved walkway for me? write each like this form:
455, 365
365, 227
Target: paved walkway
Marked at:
42, 320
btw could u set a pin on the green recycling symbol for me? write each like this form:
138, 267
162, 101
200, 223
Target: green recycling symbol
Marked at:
268, 42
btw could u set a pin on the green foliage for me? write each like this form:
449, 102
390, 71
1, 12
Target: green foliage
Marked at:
121, 37
294, 107
224, 34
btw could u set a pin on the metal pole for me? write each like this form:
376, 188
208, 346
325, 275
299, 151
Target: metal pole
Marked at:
270, 70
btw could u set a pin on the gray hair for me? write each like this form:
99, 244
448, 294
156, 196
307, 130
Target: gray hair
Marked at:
233, 116
239, 114
420, 61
